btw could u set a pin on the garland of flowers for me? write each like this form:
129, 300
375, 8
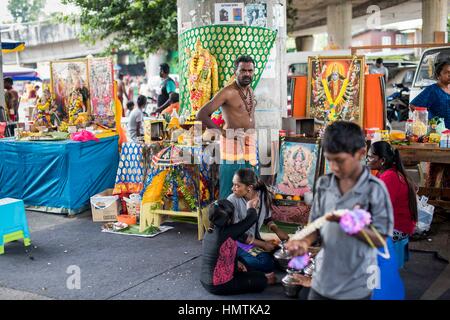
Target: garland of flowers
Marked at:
186, 194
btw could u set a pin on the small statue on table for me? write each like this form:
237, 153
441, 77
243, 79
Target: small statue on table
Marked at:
77, 109
45, 113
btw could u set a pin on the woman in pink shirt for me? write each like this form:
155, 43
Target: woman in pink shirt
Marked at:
386, 160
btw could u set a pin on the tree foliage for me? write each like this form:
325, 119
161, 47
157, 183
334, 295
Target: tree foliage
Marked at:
26, 10
142, 26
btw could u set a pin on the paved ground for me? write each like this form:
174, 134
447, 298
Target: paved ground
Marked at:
125, 267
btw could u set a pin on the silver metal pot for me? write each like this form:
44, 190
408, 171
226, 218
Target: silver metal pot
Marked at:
282, 257
291, 288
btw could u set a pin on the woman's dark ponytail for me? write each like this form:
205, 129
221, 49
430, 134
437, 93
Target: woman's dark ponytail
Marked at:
392, 159
412, 200
249, 178
267, 195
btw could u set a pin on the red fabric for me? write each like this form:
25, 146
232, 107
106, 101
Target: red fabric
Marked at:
373, 114
398, 192
299, 96
224, 270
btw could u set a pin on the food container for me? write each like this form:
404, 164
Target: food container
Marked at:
397, 135
445, 139
385, 135
409, 127
420, 125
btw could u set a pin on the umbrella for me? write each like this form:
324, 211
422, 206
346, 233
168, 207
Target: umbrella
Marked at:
20, 73
12, 46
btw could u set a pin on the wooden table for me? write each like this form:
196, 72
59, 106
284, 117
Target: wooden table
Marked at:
432, 154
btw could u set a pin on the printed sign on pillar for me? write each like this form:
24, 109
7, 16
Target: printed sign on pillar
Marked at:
229, 13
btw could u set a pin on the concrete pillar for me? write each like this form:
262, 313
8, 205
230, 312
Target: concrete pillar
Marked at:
339, 24
304, 43
271, 92
434, 16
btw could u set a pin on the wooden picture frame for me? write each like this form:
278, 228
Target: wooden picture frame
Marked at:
335, 89
101, 80
64, 76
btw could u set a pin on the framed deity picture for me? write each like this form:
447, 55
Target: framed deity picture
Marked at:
101, 79
299, 167
335, 89
66, 77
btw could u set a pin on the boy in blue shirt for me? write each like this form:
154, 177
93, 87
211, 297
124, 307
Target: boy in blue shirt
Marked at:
344, 263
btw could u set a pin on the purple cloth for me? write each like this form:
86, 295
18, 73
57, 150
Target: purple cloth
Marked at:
245, 247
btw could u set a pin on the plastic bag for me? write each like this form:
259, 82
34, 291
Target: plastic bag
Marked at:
441, 126
83, 136
425, 213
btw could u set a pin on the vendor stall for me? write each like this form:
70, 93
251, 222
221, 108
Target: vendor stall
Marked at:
178, 182
438, 193
57, 176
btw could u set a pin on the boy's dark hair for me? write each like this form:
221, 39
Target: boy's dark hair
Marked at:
379, 61
438, 66
243, 59
130, 105
8, 80
343, 136
220, 213
141, 101
165, 68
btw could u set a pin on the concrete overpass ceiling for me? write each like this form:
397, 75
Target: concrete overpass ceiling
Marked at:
311, 15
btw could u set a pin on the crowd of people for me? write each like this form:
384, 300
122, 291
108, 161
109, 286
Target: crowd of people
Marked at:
236, 259
137, 95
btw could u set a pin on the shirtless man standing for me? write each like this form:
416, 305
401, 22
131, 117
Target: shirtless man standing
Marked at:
238, 138
12, 99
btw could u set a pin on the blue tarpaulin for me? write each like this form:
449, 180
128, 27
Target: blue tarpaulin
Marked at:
58, 175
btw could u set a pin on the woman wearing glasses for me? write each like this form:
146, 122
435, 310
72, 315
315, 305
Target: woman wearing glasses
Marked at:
383, 158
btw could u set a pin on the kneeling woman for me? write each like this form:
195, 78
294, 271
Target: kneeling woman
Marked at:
221, 272
255, 252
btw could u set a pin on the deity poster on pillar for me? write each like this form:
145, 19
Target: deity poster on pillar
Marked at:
335, 89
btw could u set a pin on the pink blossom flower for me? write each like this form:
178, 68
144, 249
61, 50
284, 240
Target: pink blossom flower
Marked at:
298, 263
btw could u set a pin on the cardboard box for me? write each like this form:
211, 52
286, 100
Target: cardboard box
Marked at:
105, 207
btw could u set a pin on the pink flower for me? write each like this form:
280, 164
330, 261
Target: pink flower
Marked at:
354, 221
298, 263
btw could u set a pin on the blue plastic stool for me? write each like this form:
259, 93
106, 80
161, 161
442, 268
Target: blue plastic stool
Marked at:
13, 222
401, 251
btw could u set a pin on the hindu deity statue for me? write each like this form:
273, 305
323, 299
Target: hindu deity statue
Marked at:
76, 106
45, 110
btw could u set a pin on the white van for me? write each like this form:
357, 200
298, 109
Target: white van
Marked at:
424, 75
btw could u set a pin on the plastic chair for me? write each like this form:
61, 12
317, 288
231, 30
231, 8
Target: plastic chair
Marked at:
13, 222
402, 251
